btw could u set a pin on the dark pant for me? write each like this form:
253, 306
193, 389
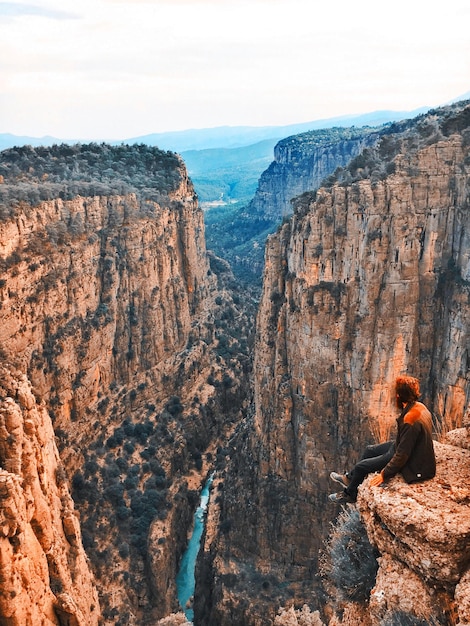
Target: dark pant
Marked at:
374, 458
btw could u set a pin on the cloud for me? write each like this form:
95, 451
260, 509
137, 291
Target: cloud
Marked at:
12, 10
199, 3
129, 67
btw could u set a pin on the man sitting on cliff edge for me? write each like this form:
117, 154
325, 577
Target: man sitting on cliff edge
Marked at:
412, 452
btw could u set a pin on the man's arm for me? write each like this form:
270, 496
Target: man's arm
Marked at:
408, 436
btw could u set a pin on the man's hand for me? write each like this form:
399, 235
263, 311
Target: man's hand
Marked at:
376, 480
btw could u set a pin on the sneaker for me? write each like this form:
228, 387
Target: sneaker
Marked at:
340, 498
342, 479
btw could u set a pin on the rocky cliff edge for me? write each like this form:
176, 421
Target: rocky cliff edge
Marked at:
422, 532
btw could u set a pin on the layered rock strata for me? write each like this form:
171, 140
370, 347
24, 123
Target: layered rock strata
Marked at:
112, 300
369, 279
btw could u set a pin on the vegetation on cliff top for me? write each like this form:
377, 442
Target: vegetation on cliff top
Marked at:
62, 171
307, 142
406, 137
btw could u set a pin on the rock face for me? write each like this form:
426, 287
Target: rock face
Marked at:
302, 162
87, 304
128, 332
45, 573
119, 330
369, 279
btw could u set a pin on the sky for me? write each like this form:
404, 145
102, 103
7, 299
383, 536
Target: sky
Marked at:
117, 69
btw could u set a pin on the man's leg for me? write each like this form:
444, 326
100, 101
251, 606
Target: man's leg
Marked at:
376, 449
368, 464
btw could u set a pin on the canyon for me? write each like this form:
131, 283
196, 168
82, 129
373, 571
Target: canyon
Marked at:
132, 369
134, 347
301, 162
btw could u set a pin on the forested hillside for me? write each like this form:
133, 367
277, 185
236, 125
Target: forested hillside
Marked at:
226, 175
62, 171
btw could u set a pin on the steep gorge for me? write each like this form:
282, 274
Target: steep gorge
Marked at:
120, 332
368, 279
113, 315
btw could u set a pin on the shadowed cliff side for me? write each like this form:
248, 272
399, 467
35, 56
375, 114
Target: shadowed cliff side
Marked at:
134, 339
370, 278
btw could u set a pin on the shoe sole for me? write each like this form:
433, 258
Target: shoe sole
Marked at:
344, 500
338, 480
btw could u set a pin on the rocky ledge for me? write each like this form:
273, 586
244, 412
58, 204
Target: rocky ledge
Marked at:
422, 532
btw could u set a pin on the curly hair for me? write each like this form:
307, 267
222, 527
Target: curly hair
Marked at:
407, 388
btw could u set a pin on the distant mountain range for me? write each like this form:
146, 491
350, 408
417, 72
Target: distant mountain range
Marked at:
222, 136
239, 136
225, 162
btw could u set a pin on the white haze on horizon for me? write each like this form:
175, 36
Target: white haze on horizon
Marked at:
114, 69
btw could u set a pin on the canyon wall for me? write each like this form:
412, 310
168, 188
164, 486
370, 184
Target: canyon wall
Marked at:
369, 279
104, 300
301, 162
134, 343
126, 363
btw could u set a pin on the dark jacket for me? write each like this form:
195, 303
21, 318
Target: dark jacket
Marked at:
414, 449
